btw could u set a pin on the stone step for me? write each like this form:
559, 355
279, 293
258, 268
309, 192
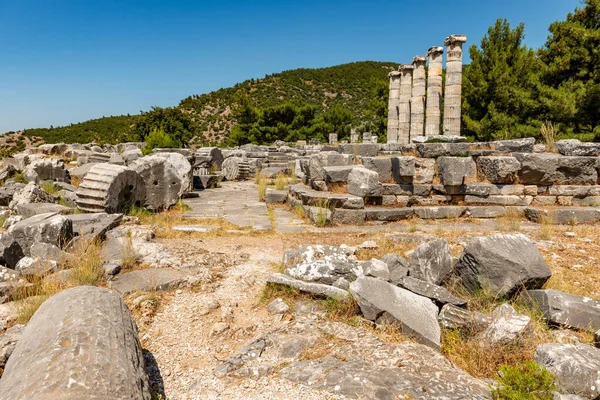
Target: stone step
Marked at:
310, 197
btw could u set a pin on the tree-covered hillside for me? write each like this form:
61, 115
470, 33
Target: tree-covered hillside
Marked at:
348, 86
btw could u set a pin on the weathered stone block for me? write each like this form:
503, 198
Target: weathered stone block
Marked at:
403, 169
565, 309
502, 263
453, 170
574, 147
383, 166
388, 214
498, 169
524, 145
431, 262
424, 170
363, 182
434, 150
348, 217
500, 200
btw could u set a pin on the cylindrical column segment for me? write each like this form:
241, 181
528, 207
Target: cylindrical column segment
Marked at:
452, 99
394, 100
406, 72
434, 92
417, 101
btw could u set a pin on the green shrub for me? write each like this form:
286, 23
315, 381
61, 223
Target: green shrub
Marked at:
157, 138
527, 381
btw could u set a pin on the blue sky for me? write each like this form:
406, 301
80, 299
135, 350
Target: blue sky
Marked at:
65, 61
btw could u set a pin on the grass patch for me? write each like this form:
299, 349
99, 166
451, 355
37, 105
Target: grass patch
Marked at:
526, 381
549, 132
546, 227
19, 178
510, 222
130, 258
280, 181
262, 189
299, 211
86, 264
338, 188
50, 188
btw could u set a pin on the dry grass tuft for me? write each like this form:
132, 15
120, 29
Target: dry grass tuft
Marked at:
130, 258
338, 188
280, 181
549, 132
262, 189
86, 264
324, 347
510, 222
547, 227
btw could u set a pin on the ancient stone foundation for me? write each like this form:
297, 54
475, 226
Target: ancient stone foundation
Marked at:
451, 180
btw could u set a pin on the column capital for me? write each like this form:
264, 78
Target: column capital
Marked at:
436, 50
419, 60
455, 39
406, 67
394, 73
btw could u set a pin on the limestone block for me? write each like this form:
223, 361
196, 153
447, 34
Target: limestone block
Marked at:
383, 166
431, 262
163, 184
424, 170
524, 145
498, 169
453, 170
47, 169
181, 164
502, 263
317, 289
363, 182
506, 326
439, 294
417, 314
565, 309
574, 147
403, 169
82, 344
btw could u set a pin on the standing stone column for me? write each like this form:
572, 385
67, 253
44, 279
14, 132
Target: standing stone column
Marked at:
394, 100
333, 138
452, 99
406, 73
353, 136
434, 91
417, 101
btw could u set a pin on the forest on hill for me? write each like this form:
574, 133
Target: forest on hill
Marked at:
509, 91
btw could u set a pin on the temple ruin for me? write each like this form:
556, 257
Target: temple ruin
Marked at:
415, 95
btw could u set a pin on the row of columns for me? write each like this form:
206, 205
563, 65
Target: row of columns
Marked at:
415, 97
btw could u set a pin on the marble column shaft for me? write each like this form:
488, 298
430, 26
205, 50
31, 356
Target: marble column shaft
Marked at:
406, 72
453, 99
417, 101
434, 92
394, 100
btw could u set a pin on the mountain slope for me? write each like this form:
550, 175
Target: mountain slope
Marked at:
348, 85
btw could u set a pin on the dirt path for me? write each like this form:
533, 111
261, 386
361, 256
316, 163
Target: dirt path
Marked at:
181, 335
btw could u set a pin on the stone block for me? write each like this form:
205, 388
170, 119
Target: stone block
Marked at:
565, 309
424, 171
453, 170
439, 294
417, 314
564, 216
502, 263
444, 212
574, 147
403, 169
273, 196
338, 174
498, 169
363, 182
383, 167
360, 149
317, 289
348, 217
388, 214
431, 262
524, 145
435, 150
500, 200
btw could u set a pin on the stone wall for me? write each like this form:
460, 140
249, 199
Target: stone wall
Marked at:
476, 179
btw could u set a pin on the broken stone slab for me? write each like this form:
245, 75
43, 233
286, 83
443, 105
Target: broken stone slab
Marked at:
486, 211
149, 279
383, 167
363, 182
35, 266
453, 317
320, 263
565, 309
272, 172
574, 147
377, 269
8, 191
453, 170
444, 212
524, 145
564, 215
47, 169
195, 228
273, 196
417, 314
431, 262
397, 266
94, 225
278, 306
388, 214
317, 289
498, 169
360, 149
339, 173
439, 294
181, 164
367, 367
42, 228
503, 264
8, 342
84, 335
206, 181
575, 366
435, 150
487, 189
163, 183
348, 217
31, 193
503, 200
506, 326
312, 197
110, 188
29, 210
131, 155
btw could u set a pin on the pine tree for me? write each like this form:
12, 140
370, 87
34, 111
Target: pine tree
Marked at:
501, 86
